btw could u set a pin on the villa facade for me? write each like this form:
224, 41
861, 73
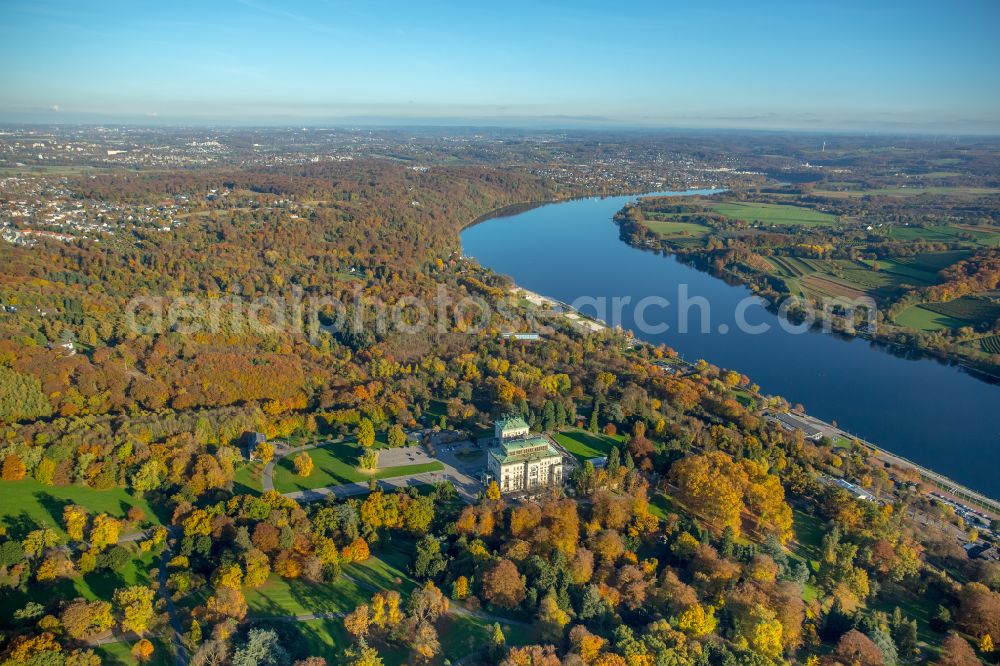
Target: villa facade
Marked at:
521, 461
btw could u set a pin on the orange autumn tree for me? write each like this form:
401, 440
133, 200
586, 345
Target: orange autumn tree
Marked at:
719, 489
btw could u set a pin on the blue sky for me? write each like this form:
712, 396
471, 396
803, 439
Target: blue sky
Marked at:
808, 64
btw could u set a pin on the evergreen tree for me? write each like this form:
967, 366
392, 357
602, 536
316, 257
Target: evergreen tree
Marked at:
548, 416
614, 461
727, 542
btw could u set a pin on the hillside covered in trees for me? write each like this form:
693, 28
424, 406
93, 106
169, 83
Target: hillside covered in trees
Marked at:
137, 526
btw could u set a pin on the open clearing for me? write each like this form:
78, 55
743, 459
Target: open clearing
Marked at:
585, 445
28, 505
668, 225
773, 214
922, 319
983, 237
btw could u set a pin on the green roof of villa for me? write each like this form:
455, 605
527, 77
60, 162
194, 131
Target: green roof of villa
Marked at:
512, 422
523, 450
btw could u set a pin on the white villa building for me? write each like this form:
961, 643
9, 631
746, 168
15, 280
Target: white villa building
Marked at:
521, 461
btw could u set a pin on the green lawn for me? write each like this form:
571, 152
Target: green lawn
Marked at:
26, 505
585, 445
773, 213
248, 478
922, 319
337, 464
118, 654
459, 635
327, 638
279, 597
666, 226
385, 570
919, 608
660, 505
808, 536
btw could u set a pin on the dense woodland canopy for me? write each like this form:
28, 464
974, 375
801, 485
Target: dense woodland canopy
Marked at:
711, 537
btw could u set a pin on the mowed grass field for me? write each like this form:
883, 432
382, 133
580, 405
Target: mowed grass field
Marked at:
26, 504
922, 319
459, 635
280, 597
585, 445
337, 464
965, 311
779, 214
667, 224
119, 654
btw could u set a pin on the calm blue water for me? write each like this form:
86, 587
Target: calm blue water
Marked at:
930, 412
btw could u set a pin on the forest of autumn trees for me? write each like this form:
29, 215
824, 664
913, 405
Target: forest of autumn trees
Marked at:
682, 550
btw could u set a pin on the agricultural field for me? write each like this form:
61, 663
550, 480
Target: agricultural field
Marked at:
958, 192
990, 344
970, 309
981, 237
821, 278
585, 445
337, 464
778, 214
29, 505
668, 225
920, 318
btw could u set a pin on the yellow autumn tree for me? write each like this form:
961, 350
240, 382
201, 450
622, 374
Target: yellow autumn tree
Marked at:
104, 532
134, 607
697, 621
75, 521
228, 575
303, 464
356, 622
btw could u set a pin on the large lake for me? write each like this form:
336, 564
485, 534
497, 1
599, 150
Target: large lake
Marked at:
933, 413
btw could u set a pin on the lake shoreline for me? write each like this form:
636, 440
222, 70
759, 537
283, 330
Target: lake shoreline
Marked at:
757, 281
584, 257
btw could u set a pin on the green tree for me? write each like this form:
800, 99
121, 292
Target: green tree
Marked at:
262, 648
21, 397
